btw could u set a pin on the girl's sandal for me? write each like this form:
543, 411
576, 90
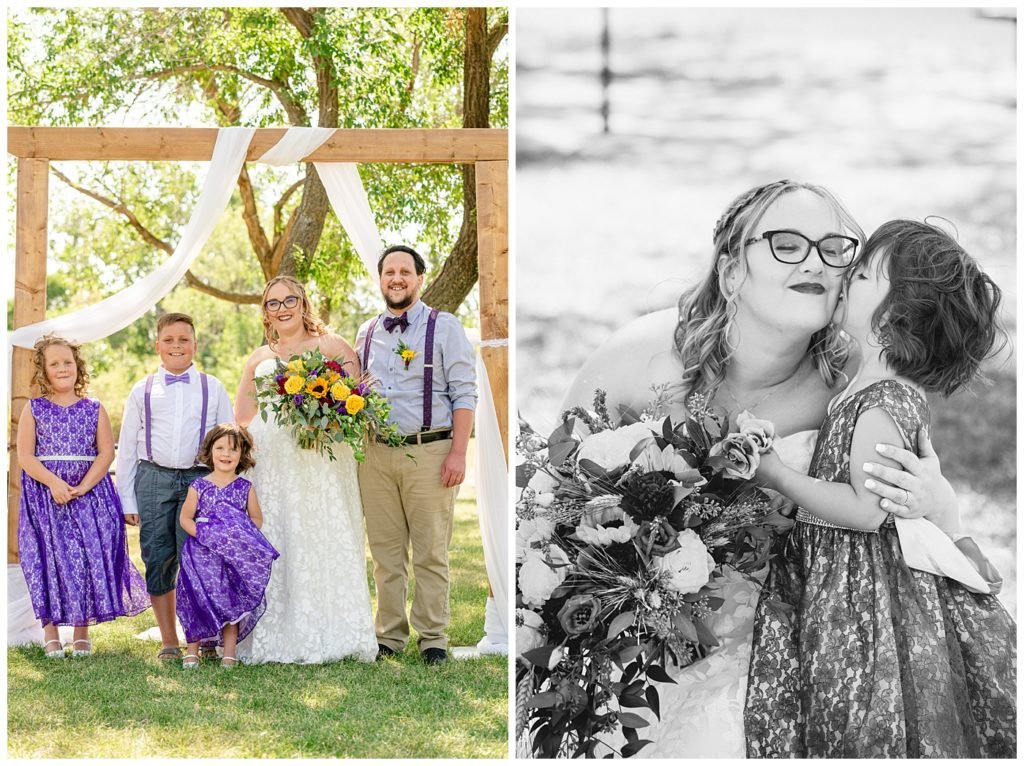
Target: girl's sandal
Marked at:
191, 662
228, 662
54, 654
86, 652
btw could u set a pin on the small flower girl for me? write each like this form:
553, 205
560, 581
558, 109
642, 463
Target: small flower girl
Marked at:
226, 561
71, 529
879, 659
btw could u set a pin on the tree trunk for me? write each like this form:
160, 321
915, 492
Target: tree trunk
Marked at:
304, 237
459, 273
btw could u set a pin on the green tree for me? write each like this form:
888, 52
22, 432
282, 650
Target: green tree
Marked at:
333, 67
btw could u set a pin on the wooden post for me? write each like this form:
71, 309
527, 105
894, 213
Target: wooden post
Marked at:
30, 245
492, 255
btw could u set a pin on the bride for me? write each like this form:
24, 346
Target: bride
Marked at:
756, 334
318, 600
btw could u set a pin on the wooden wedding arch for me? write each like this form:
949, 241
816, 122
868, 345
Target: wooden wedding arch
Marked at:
35, 147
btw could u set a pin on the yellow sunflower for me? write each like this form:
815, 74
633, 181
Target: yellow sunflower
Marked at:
317, 387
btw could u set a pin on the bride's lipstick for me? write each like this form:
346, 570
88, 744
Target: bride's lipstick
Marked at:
810, 288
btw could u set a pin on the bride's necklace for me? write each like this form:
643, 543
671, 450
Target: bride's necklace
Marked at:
772, 390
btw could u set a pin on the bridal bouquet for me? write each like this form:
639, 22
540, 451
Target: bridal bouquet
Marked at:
324, 405
621, 533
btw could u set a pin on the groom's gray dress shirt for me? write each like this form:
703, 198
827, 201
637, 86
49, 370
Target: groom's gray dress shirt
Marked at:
454, 384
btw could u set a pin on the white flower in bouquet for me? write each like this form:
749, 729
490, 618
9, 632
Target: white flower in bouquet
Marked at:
529, 630
610, 449
542, 571
667, 459
544, 499
542, 482
529, 531
595, 527
688, 567
760, 432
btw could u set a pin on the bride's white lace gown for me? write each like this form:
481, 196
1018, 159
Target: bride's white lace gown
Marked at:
318, 600
702, 714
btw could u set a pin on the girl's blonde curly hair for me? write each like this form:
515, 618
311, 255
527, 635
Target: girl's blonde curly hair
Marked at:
39, 363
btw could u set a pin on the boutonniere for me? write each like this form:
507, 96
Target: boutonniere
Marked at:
406, 353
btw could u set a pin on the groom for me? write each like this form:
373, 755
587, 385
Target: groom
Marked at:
425, 366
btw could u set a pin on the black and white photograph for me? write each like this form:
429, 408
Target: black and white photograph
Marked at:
765, 378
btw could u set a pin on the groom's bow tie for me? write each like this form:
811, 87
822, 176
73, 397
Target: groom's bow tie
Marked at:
171, 379
390, 323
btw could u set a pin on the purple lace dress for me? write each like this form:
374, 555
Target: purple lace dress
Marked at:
876, 659
74, 556
225, 568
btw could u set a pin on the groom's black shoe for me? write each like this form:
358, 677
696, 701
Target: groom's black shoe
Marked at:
435, 656
385, 651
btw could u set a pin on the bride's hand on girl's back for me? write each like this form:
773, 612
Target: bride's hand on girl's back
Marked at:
920, 489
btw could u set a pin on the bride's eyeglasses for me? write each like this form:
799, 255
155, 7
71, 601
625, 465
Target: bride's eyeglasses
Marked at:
275, 305
792, 247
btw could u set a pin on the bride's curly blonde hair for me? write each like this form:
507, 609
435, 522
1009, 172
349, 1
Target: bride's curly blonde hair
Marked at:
310, 321
705, 311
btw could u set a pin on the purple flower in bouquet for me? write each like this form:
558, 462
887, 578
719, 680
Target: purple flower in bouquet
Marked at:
297, 399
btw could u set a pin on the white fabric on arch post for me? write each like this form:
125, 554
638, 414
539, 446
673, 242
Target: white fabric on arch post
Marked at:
492, 502
343, 185
121, 309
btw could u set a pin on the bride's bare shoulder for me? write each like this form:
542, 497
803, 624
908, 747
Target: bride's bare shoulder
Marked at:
637, 356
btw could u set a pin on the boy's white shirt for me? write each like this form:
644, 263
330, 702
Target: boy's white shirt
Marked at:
175, 413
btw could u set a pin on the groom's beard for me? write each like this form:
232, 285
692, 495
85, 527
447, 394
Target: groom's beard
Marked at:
399, 305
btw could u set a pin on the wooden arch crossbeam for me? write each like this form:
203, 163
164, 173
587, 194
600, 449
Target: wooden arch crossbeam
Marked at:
35, 147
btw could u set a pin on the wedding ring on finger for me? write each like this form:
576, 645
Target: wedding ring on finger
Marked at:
906, 498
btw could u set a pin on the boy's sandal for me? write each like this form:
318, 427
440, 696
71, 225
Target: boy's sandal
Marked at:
190, 662
54, 654
169, 654
86, 652
228, 661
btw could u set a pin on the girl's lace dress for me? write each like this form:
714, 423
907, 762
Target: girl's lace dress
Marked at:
875, 659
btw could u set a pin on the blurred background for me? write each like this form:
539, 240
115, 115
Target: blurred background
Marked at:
636, 128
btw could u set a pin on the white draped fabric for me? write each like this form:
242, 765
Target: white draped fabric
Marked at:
492, 504
121, 309
349, 201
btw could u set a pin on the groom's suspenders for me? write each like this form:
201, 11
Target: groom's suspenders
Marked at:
428, 363
148, 407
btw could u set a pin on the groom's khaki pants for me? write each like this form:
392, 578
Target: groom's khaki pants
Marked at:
405, 504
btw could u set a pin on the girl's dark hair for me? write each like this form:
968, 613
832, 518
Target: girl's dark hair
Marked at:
938, 321
240, 439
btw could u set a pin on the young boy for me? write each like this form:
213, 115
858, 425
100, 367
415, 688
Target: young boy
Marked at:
165, 419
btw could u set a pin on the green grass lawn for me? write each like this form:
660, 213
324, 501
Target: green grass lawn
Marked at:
122, 703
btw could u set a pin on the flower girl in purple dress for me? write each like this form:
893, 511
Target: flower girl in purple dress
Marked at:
71, 535
226, 561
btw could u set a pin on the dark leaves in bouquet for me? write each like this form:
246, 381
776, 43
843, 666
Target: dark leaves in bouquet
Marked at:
539, 656
635, 747
524, 472
562, 443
